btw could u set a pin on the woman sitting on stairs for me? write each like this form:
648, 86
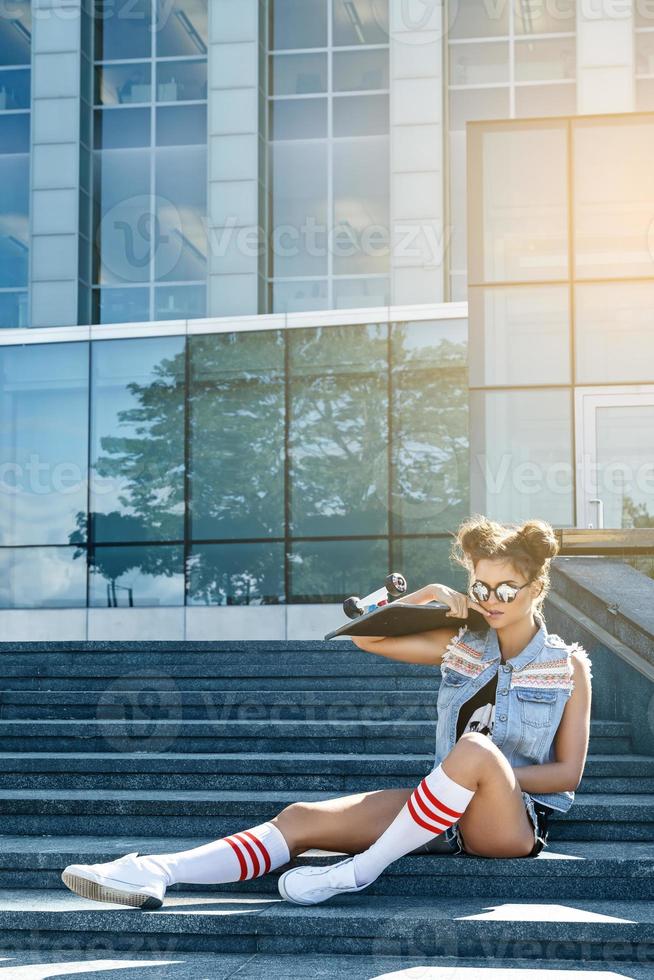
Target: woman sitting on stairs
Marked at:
511, 744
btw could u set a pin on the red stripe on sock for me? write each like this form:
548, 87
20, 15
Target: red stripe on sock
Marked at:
432, 799
427, 811
262, 848
418, 819
241, 859
253, 854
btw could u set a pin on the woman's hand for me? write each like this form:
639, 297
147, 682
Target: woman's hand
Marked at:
457, 601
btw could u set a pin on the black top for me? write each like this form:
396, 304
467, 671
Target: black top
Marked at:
477, 714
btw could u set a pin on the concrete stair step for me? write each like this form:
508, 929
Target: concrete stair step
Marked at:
170, 964
253, 662
304, 705
216, 812
152, 735
337, 772
363, 924
567, 870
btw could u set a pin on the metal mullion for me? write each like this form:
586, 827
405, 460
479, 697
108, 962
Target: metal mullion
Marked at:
153, 120
330, 155
511, 62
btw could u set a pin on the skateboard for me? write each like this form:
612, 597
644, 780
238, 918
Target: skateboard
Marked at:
382, 613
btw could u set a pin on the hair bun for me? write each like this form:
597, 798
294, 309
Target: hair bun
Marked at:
539, 538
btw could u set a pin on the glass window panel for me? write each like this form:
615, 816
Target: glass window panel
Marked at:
520, 335
330, 571
122, 29
645, 95
479, 64
458, 202
614, 197
15, 133
120, 84
136, 576
545, 100
14, 219
123, 216
237, 435
625, 450
518, 193
182, 125
521, 455
545, 18
298, 74
121, 127
429, 344
360, 22
545, 60
360, 293
15, 89
13, 309
360, 70
181, 28
179, 302
137, 439
483, 103
16, 33
361, 241
236, 574
360, 115
43, 443
42, 578
296, 119
298, 24
181, 81
181, 249
430, 426
121, 305
614, 336
338, 465
468, 20
299, 209
645, 54
427, 560
297, 297
644, 13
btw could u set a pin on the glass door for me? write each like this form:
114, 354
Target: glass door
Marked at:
615, 456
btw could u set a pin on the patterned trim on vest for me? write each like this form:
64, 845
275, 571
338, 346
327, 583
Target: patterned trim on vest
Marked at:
463, 658
547, 674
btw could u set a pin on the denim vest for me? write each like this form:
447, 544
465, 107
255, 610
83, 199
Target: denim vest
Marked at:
532, 691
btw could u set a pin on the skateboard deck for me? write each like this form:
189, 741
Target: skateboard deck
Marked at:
402, 618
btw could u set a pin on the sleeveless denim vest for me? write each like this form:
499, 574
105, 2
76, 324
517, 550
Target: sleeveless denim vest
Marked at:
532, 691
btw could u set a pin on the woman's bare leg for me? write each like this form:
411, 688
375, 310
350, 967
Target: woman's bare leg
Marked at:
495, 823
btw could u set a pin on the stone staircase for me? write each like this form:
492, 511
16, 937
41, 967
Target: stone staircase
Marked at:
153, 747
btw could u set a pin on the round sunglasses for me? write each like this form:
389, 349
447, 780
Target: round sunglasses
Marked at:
504, 592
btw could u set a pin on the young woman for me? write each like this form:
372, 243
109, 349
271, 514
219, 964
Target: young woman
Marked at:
511, 743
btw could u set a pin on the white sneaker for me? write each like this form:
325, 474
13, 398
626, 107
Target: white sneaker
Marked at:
310, 886
129, 880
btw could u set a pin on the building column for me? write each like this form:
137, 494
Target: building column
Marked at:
234, 158
416, 152
55, 154
605, 56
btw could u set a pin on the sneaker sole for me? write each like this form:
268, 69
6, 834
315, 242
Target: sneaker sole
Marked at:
282, 890
88, 888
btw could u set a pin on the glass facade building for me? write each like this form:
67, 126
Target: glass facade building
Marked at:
288, 288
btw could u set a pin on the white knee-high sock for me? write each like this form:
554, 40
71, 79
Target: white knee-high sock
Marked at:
434, 805
248, 854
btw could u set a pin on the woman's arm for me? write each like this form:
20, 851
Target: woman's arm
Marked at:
429, 646
570, 742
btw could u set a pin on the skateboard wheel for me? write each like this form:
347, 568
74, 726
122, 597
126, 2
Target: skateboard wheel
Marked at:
352, 607
395, 584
